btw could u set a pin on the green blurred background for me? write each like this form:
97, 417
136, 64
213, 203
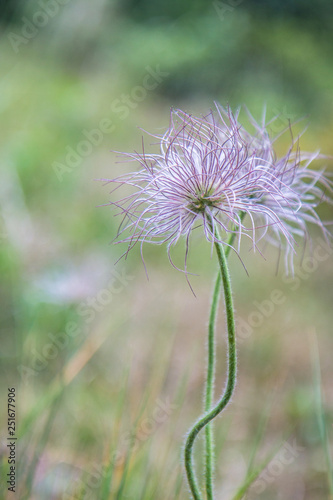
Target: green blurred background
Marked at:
109, 367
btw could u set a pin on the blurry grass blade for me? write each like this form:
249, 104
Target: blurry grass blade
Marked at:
250, 478
107, 478
87, 350
38, 452
130, 449
74, 366
44, 402
259, 436
125, 470
179, 484
256, 471
320, 409
252, 472
145, 487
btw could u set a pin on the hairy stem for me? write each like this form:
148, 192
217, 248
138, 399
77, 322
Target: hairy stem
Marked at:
232, 368
209, 451
209, 439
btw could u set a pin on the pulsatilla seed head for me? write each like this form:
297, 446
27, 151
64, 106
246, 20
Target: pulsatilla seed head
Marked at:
212, 172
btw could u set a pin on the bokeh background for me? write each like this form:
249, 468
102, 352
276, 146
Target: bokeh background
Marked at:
109, 367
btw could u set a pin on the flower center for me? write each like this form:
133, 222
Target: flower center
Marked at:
202, 200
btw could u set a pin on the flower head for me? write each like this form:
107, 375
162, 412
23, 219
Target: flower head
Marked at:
211, 172
289, 206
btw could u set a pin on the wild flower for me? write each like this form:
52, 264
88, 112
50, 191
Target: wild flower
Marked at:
212, 172
296, 190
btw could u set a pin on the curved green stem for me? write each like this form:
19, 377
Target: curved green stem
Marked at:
232, 368
209, 447
209, 450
